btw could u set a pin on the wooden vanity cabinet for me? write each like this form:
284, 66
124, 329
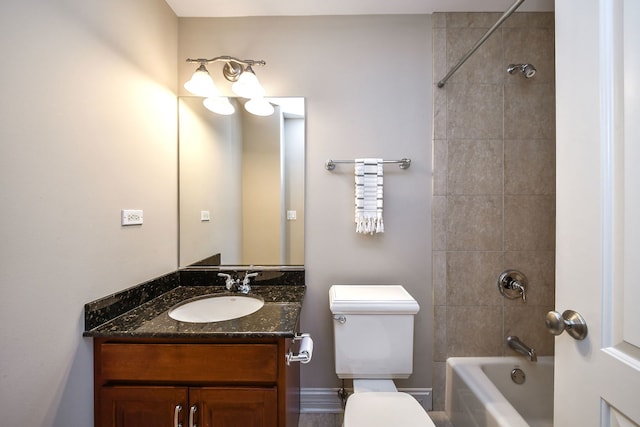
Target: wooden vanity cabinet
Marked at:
188, 383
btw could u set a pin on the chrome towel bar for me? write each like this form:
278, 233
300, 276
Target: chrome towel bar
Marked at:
331, 164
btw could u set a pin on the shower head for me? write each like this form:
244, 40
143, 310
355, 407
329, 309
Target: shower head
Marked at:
527, 69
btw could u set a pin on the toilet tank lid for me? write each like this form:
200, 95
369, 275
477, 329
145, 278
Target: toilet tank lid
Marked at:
371, 299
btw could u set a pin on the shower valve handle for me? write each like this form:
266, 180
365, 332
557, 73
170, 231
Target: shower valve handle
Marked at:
512, 284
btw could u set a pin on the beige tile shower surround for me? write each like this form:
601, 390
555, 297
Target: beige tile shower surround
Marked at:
493, 187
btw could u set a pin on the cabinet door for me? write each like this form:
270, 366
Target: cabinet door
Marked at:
234, 407
142, 406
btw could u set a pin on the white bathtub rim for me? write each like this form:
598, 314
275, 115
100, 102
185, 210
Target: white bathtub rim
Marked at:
470, 370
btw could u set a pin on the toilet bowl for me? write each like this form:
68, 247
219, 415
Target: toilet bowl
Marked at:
373, 343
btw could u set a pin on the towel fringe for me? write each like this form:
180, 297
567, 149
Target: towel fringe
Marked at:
369, 225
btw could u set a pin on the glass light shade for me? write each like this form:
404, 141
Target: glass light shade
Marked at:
259, 107
219, 105
248, 85
201, 84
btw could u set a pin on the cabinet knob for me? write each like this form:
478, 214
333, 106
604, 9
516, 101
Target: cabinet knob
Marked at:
176, 416
192, 415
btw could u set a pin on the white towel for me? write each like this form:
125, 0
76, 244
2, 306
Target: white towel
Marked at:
369, 181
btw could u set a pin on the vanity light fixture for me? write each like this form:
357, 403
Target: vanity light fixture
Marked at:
201, 83
245, 84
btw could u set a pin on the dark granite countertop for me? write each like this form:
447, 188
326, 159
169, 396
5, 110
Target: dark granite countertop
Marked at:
278, 317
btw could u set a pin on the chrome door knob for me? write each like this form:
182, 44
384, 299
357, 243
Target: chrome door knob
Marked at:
570, 321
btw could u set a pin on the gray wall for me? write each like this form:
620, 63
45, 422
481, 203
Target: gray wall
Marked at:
366, 84
87, 128
494, 185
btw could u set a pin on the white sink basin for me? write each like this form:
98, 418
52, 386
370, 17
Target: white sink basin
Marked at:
216, 308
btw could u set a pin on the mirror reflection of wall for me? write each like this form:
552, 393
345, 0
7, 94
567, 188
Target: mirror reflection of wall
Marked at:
247, 173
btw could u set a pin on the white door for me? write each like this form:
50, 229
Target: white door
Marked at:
597, 380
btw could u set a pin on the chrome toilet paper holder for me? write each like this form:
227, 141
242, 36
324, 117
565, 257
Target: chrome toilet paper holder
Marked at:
305, 352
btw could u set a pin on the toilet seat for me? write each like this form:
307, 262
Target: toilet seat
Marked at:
384, 409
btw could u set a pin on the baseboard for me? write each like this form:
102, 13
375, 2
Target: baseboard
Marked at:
424, 396
327, 400
320, 400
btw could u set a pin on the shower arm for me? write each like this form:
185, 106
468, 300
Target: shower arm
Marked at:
479, 43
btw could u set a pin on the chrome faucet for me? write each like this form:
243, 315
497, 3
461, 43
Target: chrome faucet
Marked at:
514, 343
234, 284
244, 287
230, 282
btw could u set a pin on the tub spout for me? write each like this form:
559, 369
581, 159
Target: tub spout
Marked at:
517, 345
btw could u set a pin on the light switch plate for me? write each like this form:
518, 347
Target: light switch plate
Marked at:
205, 216
132, 217
292, 215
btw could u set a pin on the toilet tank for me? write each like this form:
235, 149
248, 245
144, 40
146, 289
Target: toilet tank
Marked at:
373, 330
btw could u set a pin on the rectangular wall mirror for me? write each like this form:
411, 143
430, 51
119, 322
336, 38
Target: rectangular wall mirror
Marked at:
241, 185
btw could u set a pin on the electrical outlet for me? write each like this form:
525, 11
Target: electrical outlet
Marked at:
132, 217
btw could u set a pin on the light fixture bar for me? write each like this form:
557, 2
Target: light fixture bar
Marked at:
228, 59
233, 67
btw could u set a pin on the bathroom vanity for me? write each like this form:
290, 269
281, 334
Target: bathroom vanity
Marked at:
150, 369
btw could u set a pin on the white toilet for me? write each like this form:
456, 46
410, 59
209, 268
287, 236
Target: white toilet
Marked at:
373, 341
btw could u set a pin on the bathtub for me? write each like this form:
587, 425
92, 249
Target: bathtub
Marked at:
481, 393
